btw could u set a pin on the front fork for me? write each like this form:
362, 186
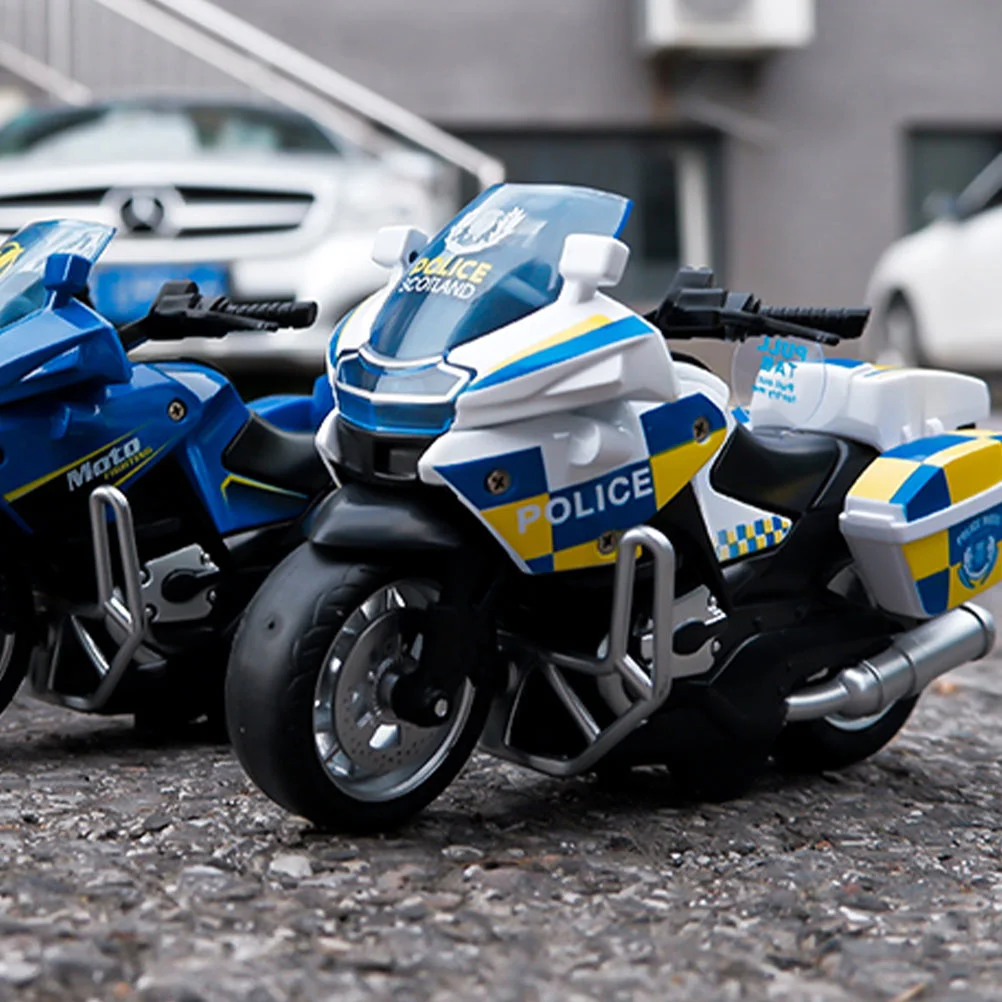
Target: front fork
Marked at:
460, 641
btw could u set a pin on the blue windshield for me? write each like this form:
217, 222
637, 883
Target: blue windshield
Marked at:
495, 263
23, 257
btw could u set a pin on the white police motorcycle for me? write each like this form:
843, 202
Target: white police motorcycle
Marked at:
556, 536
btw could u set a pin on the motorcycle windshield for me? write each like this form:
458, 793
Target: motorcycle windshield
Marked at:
494, 263
23, 257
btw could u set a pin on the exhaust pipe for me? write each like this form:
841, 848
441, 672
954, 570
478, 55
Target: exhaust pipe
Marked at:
912, 661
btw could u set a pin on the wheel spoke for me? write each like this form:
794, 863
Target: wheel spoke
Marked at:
384, 737
364, 749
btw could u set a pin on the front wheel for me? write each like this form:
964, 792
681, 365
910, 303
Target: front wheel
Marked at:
307, 695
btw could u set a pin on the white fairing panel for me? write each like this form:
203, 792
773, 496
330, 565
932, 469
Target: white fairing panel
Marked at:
876, 406
562, 357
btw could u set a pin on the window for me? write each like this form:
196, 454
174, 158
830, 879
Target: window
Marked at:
653, 169
945, 161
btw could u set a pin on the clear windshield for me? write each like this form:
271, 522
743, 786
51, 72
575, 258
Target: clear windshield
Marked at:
23, 257
495, 263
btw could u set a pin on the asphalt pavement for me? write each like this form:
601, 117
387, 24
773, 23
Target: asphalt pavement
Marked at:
136, 871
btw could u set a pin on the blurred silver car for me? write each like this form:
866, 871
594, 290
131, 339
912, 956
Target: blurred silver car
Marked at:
256, 202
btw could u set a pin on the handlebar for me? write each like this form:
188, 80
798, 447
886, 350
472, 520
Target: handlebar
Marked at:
180, 311
295, 314
693, 307
846, 323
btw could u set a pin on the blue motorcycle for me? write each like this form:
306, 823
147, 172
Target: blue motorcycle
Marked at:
141, 504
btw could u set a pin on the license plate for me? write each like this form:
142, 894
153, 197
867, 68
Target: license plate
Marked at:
124, 293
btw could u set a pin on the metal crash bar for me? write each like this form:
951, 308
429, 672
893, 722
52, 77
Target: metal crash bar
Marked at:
130, 616
650, 690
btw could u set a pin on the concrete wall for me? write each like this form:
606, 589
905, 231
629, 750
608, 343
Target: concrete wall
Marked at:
807, 212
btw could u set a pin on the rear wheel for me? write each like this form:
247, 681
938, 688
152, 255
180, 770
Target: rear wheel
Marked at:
307, 695
837, 742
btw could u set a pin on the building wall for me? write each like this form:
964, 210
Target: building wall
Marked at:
467, 62
807, 209
810, 211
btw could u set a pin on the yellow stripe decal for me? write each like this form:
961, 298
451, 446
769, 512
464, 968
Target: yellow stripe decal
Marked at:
234, 478
592, 323
28, 488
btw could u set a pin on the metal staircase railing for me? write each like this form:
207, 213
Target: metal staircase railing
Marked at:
79, 50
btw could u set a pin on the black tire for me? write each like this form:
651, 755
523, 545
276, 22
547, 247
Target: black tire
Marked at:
278, 655
15, 647
822, 745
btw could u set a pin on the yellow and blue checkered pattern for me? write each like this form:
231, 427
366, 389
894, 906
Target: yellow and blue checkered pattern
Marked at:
930, 474
750, 537
927, 477
559, 529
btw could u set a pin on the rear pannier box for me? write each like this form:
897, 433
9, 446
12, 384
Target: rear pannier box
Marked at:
924, 522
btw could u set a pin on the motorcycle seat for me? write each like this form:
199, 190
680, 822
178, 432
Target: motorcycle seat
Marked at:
778, 469
268, 454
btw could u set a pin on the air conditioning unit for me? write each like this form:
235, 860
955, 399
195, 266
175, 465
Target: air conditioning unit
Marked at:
725, 27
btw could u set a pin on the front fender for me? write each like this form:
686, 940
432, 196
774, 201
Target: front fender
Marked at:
360, 517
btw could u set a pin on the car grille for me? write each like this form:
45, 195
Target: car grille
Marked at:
191, 211
222, 211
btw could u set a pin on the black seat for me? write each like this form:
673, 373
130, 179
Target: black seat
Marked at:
286, 459
781, 470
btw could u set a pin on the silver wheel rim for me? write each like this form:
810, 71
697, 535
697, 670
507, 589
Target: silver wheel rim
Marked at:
366, 751
6, 653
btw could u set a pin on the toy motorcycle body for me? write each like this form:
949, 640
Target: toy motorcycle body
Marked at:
142, 504
557, 537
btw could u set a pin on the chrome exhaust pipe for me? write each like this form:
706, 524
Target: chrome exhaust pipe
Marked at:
909, 664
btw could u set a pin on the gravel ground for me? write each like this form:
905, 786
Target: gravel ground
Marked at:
130, 871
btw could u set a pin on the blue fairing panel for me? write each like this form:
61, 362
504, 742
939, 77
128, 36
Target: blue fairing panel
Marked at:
112, 434
52, 349
295, 412
234, 502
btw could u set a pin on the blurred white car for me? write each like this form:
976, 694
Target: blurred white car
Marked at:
936, 293
256, 202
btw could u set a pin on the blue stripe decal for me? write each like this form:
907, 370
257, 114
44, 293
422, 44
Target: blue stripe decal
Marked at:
525, 468
670, 425
922, 448
619, 330
845, 363
923, 493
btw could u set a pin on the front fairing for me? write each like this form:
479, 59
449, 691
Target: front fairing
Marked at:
49, 340
491, 267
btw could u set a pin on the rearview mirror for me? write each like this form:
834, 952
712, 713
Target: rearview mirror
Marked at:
590, 261
66, 275
398, 246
